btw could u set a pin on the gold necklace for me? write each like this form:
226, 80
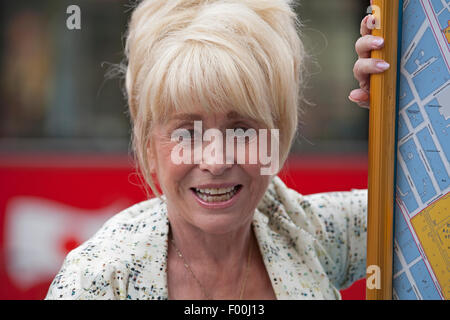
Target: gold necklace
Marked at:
205, 293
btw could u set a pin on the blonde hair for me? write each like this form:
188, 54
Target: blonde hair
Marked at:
221, 55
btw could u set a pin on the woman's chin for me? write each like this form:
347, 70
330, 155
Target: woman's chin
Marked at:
214, 222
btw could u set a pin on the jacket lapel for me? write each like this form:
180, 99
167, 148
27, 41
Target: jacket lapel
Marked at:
151, 281
290, 259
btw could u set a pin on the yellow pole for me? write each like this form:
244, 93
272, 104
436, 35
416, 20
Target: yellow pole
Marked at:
382, 151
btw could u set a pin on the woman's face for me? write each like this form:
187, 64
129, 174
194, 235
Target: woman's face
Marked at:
212, 196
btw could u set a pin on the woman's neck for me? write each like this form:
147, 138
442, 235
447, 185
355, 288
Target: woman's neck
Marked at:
218, 251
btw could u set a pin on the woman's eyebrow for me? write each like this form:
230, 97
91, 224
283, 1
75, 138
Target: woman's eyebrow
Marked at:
234, 115
186, 116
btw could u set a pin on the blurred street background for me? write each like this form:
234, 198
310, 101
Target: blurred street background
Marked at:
65, 164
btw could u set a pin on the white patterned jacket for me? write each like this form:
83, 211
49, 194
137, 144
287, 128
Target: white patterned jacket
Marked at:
312, 246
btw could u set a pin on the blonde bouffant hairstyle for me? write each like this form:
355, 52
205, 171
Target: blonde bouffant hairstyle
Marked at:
222, 55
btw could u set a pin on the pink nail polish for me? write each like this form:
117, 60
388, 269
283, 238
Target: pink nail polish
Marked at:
353, 99
378, 42
382, 65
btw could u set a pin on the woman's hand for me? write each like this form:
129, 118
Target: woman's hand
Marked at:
365, 66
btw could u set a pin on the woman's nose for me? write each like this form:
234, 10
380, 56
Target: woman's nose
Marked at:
215, 169
214, 159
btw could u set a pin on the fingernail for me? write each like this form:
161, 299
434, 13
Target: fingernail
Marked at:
354, 96
371, 22
352, 100
382, 65
378, 42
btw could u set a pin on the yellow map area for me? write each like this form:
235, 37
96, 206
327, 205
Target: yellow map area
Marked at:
447, 32
432, 226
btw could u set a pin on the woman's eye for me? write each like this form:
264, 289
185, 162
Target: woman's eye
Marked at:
183, 135
241, 130
191, 133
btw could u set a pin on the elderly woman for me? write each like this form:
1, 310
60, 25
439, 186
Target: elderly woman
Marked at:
220, 229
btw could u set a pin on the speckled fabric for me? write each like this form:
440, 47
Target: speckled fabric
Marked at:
312, 246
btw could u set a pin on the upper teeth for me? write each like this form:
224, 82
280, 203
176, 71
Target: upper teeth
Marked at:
215, 191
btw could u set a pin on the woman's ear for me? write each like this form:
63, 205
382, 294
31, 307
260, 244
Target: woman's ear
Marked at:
151, 158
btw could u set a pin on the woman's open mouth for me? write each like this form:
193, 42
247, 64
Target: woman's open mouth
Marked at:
213, 197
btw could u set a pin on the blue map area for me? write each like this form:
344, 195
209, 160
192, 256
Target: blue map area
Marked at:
404, 237
414, 115
403, 288
405, 193
434, 159
424, 282
443, 18
405, 94
423, 140
425, 50
440, 125
402, 128
397, 266
416, 168
432, 76
437, 5
413, 17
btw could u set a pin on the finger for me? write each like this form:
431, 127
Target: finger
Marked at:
367, 25
361, 97
366, 44
366, 66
